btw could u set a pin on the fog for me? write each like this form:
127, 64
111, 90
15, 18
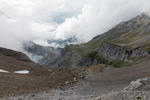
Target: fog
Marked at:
42, 20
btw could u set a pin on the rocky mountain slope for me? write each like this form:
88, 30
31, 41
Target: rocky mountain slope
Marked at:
44, 55
136, 90
63, 43
122, 45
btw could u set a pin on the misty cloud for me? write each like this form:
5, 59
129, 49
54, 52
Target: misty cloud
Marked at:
38, 20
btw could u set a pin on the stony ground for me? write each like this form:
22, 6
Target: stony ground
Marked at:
136, 90
98, 83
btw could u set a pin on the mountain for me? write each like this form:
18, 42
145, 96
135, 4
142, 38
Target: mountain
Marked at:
127, 44
44, 55
133, 33
14, 54
63, 43
121, 46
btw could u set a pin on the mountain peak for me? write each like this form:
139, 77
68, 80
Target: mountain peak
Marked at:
135, 32
144, 15
142, 19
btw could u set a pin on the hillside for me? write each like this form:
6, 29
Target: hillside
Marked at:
102, 81
122, 45
133, 33
19, 75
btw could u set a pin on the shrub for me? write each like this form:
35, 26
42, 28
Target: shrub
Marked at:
139, 98
117, 63
91, 54
102, 60
95, 69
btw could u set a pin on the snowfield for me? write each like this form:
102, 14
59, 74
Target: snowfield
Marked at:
22, 72
17, 72
4, 71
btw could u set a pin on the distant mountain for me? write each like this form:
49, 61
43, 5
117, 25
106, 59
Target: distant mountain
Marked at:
63, 43
120, 46
43, 54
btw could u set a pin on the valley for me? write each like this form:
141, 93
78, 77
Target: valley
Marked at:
89, 71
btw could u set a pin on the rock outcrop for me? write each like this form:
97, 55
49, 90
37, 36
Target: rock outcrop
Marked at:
137, 90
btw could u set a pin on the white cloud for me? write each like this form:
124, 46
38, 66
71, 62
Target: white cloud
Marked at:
100, 15
22, 20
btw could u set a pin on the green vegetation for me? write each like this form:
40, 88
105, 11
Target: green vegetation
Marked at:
117, 63
91, 54
127, 64
102, 59
132, 58
139, 98
127, 38
78, 49
92, 45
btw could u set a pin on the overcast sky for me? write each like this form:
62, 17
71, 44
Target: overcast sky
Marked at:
25, 20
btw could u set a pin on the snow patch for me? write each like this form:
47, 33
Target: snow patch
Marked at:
22, 72
4, 71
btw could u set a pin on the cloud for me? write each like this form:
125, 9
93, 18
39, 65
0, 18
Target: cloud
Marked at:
100, 15
38, 20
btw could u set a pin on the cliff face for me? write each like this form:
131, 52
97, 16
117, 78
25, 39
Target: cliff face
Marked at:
121, 45
110, 53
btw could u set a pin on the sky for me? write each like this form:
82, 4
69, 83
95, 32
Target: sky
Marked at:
42, 20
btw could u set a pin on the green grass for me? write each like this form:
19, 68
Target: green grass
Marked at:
127, 64
102, 59
132, 58
127, 38
139, 98
91, 54
92, 45
117, 63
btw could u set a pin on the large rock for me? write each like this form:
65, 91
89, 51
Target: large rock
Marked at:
137, 90
139, 85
